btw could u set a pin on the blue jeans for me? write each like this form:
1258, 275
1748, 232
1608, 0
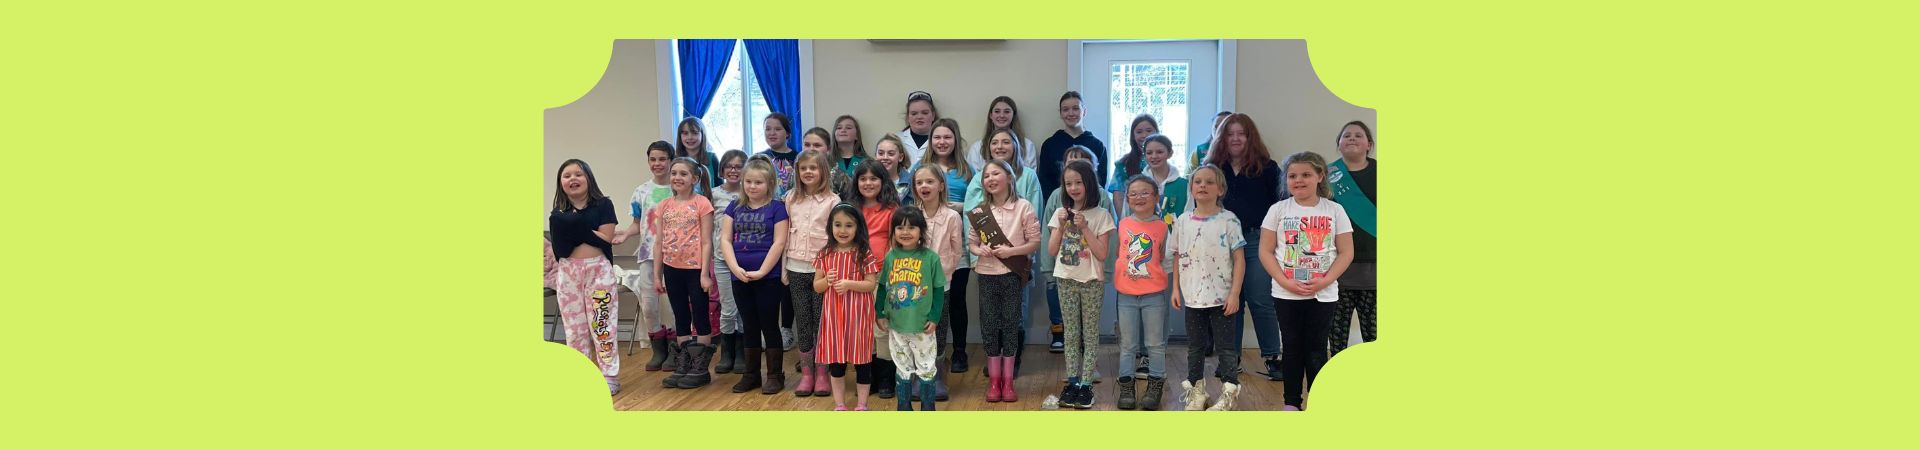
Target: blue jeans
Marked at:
1143, 316
1256, 297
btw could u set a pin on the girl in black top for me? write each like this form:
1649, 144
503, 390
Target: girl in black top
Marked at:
582, 223
1254, 180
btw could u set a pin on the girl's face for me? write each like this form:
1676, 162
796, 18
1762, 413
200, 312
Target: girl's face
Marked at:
1140, 198
1001, 114
1142, 130
1303, 181
690, 138
573, 181
1157, 154
920, 116
730, 171
869, 186
994, 179
1354, 143
1075, 187
813, 142
1070, 112
843, 229
887, 153
1236, 140
809, 173
681, 178
756, 186
1206, 186
844, 131
657, 162
942, 141
926, 186
776, 134
1001, 147
907, 235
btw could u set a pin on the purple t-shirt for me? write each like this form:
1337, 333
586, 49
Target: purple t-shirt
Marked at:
753, 232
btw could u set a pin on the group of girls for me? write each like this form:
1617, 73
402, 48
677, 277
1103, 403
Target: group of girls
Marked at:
859, 262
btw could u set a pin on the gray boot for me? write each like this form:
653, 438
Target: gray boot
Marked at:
1126, 393
1155, 387
724, 364
698, 356
659, 353
676, 357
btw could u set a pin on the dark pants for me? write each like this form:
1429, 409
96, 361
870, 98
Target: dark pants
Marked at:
759, 305
1000, 313
806, 310
1208, 326
1303, 326
955, 317
686, 296
862, 373
1350, 302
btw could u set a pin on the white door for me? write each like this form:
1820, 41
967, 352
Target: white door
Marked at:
1178, 82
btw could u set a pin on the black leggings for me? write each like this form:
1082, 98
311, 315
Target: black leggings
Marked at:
955, 314
759, 304
686, 296
1303, 346
862, 373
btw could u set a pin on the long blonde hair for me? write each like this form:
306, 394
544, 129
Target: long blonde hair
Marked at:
819, 159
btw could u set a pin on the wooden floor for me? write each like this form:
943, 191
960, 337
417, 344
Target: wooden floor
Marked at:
1040, 375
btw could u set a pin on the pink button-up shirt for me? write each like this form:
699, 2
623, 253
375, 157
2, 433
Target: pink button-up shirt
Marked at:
807, 228
1021, 226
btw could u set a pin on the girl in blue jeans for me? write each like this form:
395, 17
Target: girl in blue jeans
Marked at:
1140, 277
1254, 180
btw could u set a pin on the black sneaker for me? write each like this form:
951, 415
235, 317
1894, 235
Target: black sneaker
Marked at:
1273, 371
1086, 398
1059, 344
1068, 395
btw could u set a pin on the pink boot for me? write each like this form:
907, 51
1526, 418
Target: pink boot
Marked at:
993, 379
822, 384
1006, 380
805, 367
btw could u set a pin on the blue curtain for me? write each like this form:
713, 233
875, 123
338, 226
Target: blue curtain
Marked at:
702, 63
776, 62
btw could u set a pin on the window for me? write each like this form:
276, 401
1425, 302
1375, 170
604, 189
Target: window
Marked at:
734, 119
1156, 88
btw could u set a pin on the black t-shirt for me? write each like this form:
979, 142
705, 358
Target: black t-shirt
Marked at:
572, 227
1363, 242
919, 140
1249, 196
1053, 157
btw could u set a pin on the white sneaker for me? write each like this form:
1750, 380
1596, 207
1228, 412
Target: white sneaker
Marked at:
1227, 393
1195, 397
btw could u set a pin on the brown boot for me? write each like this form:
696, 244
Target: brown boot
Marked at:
776, 372
749, 372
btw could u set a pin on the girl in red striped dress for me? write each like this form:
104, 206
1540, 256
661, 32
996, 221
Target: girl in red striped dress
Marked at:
847, 269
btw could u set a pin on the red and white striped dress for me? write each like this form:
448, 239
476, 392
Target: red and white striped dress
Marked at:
846, 320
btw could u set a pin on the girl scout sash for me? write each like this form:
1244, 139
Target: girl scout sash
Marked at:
1358, 206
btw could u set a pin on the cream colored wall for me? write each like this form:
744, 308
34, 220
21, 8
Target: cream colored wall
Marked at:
871, 82
1295, 112
609, 127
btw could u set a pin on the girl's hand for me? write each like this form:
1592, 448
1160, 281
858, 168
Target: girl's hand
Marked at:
783, 278
833, 277
706, 283
744, 277
841, 286
618, 238
1176, 298
930, 326
1293, 286
882, 324
659, 283
1315, 285
1233, 306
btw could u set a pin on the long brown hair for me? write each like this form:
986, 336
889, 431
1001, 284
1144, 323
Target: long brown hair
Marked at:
1218, 154
953, 160
1014, 123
